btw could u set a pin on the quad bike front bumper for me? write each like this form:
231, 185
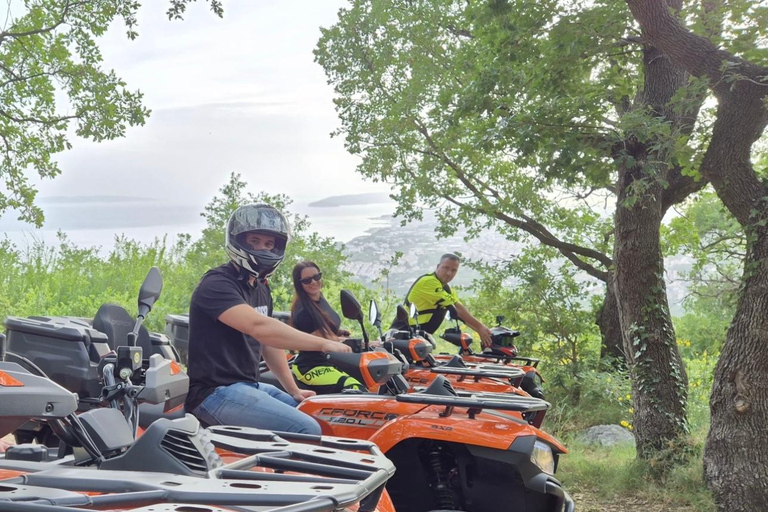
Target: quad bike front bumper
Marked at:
564, 501
521, 481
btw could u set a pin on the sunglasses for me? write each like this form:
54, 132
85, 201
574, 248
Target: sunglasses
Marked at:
316, 277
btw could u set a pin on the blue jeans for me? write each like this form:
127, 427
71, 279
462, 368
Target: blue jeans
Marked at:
257, 405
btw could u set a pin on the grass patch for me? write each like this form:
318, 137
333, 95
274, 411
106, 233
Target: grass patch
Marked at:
613, 476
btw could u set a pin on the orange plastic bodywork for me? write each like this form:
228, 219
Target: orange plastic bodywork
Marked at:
8, 473
412, 344
8, 381
387, 422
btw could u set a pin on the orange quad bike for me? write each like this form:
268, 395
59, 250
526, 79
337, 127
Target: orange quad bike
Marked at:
501, 354
418, 367
452, 450
421, 370
415, 345
98, 461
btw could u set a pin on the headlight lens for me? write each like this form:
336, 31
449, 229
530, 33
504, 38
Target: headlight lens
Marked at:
542, 457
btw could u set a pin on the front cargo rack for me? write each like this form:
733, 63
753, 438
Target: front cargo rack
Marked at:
475, 403
513, 375
524, 361
279, 472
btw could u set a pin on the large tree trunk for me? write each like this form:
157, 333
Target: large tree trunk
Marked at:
610, 328
736, 452
659, 381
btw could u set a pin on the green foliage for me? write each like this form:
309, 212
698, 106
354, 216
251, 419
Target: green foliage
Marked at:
701, 331
701, 370
49, 51
484, 112
715, 241
555, 312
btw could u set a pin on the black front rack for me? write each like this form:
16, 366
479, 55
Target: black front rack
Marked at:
524, 361
531, 407
334, 473
513, 375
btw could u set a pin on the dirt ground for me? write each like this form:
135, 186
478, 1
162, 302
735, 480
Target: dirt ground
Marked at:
587, 501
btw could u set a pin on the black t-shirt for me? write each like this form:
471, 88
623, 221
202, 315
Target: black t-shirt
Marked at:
301, 319
218, 354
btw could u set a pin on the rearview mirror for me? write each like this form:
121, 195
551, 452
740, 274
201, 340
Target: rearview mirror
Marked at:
499, 319
413, 311
350, 308
401, 314
150, 291
373, 314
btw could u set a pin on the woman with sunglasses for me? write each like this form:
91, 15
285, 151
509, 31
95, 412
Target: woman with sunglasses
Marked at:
311, 313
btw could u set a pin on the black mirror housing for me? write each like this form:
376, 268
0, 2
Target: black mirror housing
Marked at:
150, 291
350, 307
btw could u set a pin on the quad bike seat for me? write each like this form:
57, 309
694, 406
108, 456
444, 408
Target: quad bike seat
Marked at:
114, 321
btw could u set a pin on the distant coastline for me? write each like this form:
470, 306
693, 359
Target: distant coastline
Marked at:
351, 200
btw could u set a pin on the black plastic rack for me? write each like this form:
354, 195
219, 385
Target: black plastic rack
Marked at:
476, 403
510, 374
525, 361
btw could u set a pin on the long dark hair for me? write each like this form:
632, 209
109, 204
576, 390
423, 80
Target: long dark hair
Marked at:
302, 301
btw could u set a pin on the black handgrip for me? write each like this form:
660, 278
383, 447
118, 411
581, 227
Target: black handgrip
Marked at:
356, 344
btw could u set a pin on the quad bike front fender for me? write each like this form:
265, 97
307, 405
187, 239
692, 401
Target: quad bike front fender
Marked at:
485, 430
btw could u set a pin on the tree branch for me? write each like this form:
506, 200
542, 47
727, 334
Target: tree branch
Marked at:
61, 20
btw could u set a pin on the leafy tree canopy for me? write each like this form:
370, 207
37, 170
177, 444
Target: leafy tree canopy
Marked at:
51, 76
510, 114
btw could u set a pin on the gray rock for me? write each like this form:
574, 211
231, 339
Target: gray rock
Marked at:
607, 435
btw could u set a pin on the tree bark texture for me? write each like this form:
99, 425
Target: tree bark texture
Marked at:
610, 328
736, 450
659, 381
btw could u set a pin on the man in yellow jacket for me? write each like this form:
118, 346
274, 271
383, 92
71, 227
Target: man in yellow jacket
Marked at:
432, 295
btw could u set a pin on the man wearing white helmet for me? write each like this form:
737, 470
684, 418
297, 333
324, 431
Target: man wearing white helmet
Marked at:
230, 329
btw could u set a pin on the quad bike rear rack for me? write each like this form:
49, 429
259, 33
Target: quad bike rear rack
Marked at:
335, 473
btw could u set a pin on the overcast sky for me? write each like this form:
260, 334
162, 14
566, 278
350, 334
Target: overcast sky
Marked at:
240, 94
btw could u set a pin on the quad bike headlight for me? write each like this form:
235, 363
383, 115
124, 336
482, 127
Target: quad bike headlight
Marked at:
543, 458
